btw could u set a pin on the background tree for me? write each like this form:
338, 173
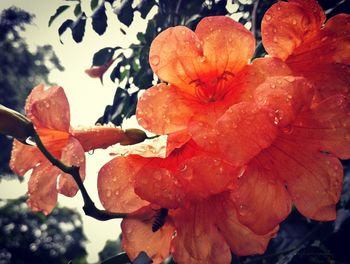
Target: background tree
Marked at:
27, 237
20, 69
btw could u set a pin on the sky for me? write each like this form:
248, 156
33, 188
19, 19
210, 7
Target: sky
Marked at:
87, 97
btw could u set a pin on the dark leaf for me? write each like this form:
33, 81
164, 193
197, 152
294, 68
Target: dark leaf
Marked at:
145, 6
141, 37
77, 10
93, 4
121, 258
66, 24
110, 1
142, 258
59, 11
99, 20
125, 13
78, 28
103, 56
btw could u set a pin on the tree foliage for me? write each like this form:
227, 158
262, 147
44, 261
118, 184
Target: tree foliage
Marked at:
27, 237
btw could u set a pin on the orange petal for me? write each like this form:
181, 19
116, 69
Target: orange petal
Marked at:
138, 236
235, 43
176, 141
72, 154
175, 57
287, 96
42, 189
314, 180
203, 176
48, 108
162, 110
240, 238
98, 137
198, 239
159, 186
244, 130
330, 45
261, 199
326, 127
282, 34
328, 79
116, 184
24, 157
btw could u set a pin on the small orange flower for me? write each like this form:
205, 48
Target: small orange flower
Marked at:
245, 141
48, 109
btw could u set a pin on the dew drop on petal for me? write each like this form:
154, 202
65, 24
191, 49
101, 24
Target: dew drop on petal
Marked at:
268, 17
202, 59
155, 60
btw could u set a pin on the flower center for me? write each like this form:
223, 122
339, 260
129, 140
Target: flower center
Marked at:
214, 88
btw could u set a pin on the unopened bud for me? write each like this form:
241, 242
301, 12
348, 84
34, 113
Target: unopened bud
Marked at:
133, 136
15, 124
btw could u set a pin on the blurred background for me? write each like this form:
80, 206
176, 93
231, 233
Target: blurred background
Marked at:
98, 51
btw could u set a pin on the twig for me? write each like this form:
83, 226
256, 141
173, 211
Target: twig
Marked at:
255, 9
89, 206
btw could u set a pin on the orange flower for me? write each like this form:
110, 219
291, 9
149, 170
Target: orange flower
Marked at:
48, 109
312, 48
245, 141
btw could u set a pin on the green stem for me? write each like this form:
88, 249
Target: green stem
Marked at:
89, 206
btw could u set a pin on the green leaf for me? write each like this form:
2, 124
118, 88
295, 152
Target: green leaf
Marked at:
103, 56
77, 10
99, 20
59, 11
123, 75
66, 24
93, 4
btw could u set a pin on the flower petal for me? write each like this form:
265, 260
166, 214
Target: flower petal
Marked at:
244, 130
326, 127
175, 57
203, 176
197, 238
42, 189
156, 181
235, 42
24, 157
98, 137
314, 179
240, 238
138, 236
261, 199
72, 154
286, 95
162, 110
282, 34
116, 184
330, 45
48, 108
328, 79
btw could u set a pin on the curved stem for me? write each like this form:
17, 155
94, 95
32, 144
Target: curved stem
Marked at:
89, 207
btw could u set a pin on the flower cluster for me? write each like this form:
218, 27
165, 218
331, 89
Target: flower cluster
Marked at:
246, 141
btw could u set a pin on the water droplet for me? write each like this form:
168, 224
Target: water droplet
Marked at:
155, 60
289, 79
114, 179
294, 22
230, 40
273, 85
183, 32
108, 193
202, 59
288, 129
268, 17
275, 39
183, 168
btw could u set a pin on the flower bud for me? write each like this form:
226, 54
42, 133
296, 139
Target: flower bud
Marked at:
133, 136
15, 124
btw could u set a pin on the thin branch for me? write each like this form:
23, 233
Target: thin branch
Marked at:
254, 18
89, 207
